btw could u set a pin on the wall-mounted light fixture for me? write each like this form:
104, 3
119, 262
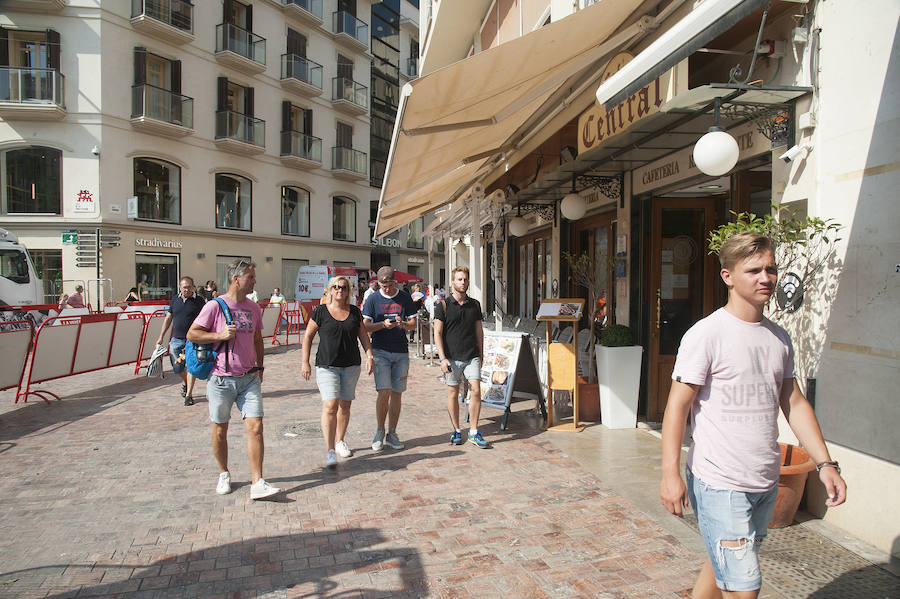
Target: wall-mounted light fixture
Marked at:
200, 255
269, 259
716, 153
573, 205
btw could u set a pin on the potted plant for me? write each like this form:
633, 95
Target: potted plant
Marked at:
586, 273
619, 371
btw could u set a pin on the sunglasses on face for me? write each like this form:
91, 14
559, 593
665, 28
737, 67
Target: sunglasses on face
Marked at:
341, 287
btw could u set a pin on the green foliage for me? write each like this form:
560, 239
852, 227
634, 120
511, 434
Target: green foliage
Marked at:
616, 335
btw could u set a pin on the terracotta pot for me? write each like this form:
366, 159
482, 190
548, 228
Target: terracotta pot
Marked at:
588, 400
795, 467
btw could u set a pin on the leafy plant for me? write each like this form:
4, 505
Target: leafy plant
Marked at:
804, 245
617, 335
586, 273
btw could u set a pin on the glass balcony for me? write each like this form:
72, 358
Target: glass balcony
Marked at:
230, 37
32, 86
348, 159
240, 127
348, 90
300, 145
314, 7
148, 101
347, 24
175, 13
302, 69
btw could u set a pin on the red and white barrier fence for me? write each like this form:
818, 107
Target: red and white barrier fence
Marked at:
15, 342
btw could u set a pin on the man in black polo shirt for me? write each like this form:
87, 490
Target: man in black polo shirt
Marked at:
460, 343
183, 309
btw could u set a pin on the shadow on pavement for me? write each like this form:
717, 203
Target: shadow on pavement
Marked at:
310, 564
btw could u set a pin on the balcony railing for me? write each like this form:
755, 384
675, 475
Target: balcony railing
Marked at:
314, 7
240, 41
240, 127
162, 105
346, 23
294, 143
412, 67
177, 13
351, 91
32, 86
303, 69
348, 159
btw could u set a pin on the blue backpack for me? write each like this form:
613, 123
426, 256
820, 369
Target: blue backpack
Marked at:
200, 359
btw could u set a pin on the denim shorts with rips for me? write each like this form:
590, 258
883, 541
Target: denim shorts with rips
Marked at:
726, 516
391, 369
245, 392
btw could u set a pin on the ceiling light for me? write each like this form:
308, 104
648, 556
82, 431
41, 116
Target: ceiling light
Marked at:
710, 187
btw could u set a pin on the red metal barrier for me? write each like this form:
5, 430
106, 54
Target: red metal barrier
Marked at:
146, 351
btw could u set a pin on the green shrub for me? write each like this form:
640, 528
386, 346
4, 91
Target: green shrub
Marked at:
617, 335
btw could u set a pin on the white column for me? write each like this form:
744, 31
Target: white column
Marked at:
476, 255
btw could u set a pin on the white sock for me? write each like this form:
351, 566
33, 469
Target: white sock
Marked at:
473, 432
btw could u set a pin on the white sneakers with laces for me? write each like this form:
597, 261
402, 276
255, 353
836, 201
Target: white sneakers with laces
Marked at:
261, 489
330, 459
343, 449
223, 487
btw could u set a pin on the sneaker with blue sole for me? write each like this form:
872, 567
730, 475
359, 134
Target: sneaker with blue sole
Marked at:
456, 438
478, 441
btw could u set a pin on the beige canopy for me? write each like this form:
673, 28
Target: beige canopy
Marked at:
457, 123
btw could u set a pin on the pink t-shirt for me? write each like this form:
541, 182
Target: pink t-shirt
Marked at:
734, 419
241, 350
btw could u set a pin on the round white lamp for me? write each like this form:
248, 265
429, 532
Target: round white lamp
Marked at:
461, 247
573, 206
518, 226
716, 153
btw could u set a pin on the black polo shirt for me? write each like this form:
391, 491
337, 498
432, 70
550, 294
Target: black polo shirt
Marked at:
183, 312
460, 341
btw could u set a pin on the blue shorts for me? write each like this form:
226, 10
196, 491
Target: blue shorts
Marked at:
176, 348
337, 382
459, 369
391, 369
222, 392
726, 515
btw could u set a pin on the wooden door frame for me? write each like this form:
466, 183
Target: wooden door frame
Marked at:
608, 219
655, 407
545, 233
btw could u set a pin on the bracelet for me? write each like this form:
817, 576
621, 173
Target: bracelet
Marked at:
830, 464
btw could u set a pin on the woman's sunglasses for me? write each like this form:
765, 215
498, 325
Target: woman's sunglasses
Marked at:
341, 287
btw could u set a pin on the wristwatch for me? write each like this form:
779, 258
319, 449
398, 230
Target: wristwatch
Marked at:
832, 464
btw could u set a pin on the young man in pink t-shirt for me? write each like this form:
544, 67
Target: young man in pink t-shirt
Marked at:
237, 376
734, 371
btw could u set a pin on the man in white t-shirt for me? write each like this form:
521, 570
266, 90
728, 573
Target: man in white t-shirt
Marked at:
373, 287
734, 371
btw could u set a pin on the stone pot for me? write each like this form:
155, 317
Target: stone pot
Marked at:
795, 468
588, 400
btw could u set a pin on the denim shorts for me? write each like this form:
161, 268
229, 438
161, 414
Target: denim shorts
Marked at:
391, 369
726, 515
459, 369
176, 348
243, 391
337, 382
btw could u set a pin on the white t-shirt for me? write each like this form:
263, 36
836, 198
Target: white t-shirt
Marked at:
741, 367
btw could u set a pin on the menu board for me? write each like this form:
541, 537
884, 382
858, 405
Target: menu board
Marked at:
508, 370
565, 308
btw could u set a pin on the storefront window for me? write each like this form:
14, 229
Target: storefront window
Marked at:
233, 196
31, 181
157, 185
344, 219
156, 275
48, 266
294, 211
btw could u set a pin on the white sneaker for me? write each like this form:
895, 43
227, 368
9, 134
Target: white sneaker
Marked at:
223, 487
330, 459
343, 449
378, 441
261, 489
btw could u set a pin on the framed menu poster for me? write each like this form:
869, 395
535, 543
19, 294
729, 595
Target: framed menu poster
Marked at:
560, 309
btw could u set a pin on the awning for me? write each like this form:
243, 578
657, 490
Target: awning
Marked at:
457, 120
703, 24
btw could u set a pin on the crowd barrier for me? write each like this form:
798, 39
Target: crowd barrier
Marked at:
295, 315
15, 342
66, 346
152, 325
271, 316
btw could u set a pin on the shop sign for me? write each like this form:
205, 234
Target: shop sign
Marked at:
597, 124
85, 201
389, 242
680, 165
156, 242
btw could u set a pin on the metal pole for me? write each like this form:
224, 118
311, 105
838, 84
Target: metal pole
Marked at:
97, 257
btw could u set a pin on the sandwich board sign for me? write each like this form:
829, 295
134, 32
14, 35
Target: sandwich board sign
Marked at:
509, 372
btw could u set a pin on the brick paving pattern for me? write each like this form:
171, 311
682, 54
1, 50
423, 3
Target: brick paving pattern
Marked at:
111, 493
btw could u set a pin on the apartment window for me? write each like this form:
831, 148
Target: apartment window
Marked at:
344, 67
296, 43
343, 135
344, 219
157, 185
414, 236
29, 49
235, 13
233, 197
31, 181
294, 211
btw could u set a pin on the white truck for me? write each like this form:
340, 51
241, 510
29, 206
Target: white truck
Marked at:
19, 283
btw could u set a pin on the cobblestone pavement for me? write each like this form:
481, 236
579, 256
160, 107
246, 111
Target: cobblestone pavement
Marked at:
111, 492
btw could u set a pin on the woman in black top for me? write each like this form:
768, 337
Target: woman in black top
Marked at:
337, 362
133, 295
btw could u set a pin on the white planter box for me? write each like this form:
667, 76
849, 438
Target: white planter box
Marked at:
619, 375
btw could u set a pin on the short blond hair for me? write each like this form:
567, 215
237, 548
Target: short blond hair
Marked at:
329, 291
464, 269
743, 245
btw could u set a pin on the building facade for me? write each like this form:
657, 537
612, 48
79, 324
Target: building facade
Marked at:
644, 208
190, 134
